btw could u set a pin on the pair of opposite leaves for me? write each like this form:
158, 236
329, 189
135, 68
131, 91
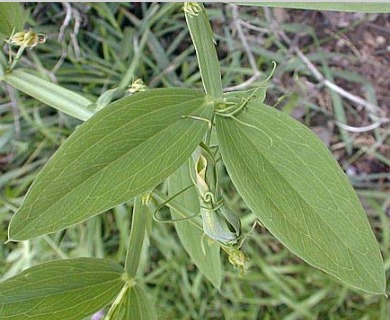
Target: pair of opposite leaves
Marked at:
280, 168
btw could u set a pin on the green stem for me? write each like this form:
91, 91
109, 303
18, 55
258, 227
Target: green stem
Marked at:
62, 99
202, 37
16, 59
137, 236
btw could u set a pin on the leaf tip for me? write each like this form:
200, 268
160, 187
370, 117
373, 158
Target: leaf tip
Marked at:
11, 236
15, 230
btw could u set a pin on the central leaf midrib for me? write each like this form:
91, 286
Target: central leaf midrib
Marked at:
242, 130
106, 137
259, 183
290, 184
56, 292
111, 134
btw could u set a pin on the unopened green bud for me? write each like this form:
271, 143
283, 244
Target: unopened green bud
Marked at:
216, 225
236, 258
137, 86
146, 198
192, 8
27, 38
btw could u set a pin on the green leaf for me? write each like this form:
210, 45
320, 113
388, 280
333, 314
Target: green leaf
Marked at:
139, 305
134, 304
191, 234
64, 289
298, 191
203, 39
370, 7
53, 95
11, 18
137, 236
127, 148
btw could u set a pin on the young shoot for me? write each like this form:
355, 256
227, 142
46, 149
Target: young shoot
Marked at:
137, 86
219, 222
24, 39
227, 108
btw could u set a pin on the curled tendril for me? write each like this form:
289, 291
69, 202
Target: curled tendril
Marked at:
230, 109
208, 197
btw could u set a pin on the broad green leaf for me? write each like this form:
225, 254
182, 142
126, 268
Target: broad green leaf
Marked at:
53, 95
11, 18
137, 236
191, 234
134, 304
64, 289
127, 148
298, 191
203, 39
370, 7
140, 306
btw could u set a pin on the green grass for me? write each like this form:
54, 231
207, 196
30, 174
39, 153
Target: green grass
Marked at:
108, 52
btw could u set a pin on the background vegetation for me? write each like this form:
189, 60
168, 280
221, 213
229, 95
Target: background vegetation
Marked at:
326, 62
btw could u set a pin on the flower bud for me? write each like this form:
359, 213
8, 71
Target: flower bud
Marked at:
27, 38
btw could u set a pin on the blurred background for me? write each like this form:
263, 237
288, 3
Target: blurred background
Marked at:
333, 75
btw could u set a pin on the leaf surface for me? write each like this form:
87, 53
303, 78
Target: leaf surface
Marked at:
190, 234
135, 304
53, 95
125, 149
298, 191
11, 18
65, 289
140, 307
